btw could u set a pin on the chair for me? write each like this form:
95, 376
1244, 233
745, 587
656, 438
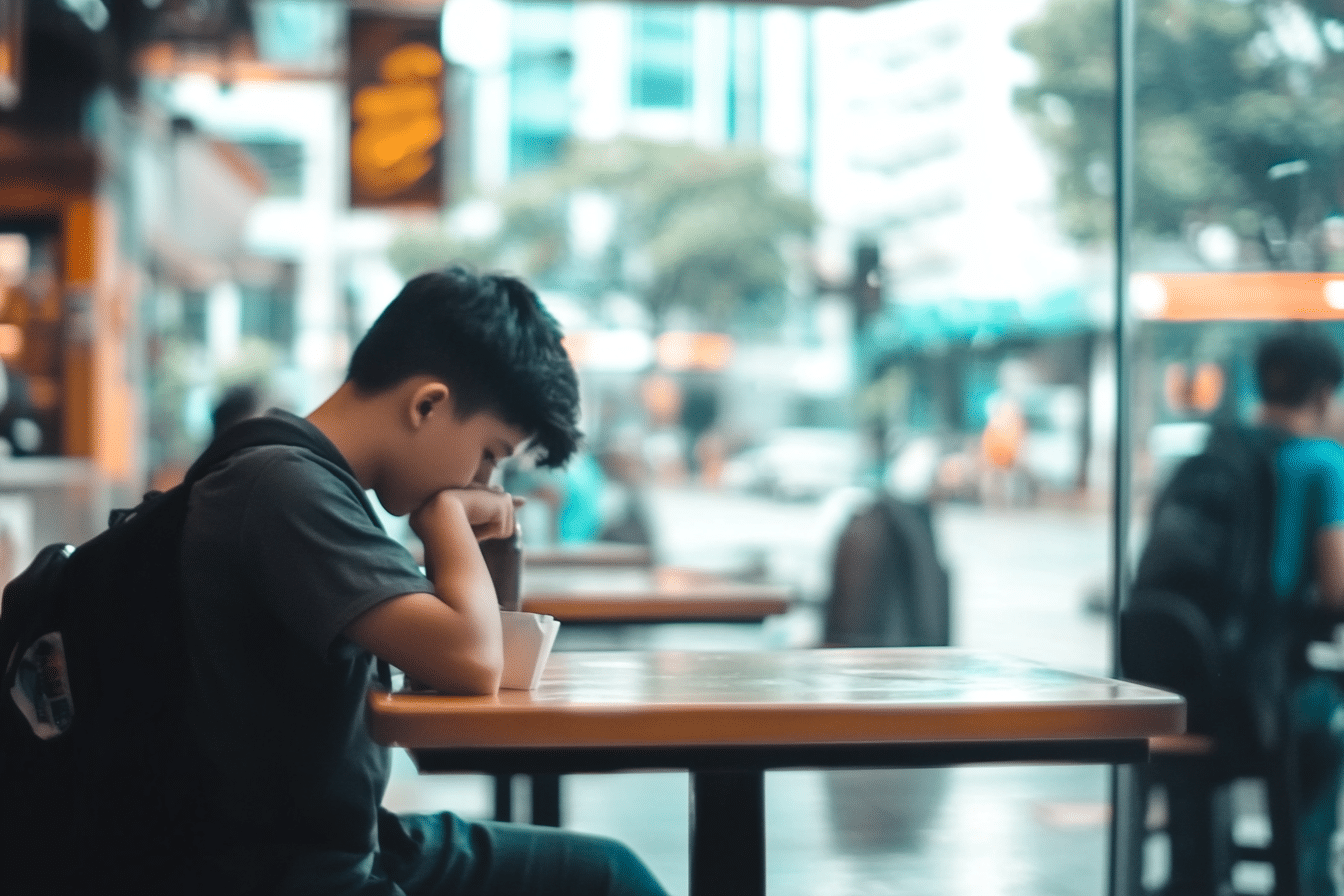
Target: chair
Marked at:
1196, 777
1166, 641
889, 588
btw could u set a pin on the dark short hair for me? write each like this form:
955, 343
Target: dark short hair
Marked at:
488, 337
1293, 362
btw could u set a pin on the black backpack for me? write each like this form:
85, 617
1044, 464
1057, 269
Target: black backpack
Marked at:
1202, 619
97, 776
889, 587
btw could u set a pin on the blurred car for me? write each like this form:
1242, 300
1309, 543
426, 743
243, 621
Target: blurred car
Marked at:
797, 463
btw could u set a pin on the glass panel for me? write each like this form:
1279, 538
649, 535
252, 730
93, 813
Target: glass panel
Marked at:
833, 332
806, 259
1236, 209
1236, 231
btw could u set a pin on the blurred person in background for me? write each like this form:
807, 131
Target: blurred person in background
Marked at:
568, 501
1000, 451
1298, 368
237, 403
626, 518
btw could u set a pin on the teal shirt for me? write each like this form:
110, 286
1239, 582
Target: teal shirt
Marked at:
581, 513
1310, 497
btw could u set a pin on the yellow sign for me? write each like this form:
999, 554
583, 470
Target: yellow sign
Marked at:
396, 114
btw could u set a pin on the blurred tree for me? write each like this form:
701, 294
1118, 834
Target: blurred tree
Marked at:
1239, 123
705, 230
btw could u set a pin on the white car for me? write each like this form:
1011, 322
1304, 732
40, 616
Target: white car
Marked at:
797, 463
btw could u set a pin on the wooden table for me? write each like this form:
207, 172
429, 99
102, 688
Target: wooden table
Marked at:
612, 595
728, 717
609, 595
589, 554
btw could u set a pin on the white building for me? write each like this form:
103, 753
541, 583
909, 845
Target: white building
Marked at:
898, 120
537, 73
918, 149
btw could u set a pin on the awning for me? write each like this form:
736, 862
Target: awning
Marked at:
909, 327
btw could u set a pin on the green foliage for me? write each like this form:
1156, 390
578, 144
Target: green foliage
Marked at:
694, 228
1224, 91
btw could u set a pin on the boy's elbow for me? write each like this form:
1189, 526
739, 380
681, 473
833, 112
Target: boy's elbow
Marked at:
474, 677
483, 681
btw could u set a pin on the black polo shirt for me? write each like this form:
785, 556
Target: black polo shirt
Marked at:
281, 551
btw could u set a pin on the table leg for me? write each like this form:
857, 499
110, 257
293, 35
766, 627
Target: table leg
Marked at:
503, 797
728, 833
1129, 829
546, 800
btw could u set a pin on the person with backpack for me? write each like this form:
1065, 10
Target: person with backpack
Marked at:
296, 602
1242, 567
1298, 370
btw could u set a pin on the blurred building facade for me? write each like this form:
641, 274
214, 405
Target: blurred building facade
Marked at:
537, 73
939, 217
85, 208
172, 220
179, 216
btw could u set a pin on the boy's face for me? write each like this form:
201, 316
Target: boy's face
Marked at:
448, 452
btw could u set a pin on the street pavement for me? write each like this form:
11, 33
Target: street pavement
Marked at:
1024, 582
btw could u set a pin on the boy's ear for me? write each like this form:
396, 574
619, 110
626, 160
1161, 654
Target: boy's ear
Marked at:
427, 399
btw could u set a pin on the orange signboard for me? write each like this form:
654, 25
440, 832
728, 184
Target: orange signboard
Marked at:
1260, 295
397, 115
693, 351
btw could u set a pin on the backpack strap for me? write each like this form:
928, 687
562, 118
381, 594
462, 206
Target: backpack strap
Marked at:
282, 428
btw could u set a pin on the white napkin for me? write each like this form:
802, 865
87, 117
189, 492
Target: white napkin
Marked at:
528, 638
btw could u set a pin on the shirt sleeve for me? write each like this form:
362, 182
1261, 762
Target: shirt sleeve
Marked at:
320, 560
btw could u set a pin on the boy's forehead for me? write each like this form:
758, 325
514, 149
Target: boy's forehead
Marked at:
518, 439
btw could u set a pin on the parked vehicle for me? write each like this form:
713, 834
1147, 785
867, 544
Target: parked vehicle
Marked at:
797, 463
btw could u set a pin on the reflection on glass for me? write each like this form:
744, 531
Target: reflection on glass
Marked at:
827, 274
1236, 230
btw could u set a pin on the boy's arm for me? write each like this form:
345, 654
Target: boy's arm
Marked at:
1329, 546
1330, 568
450, 640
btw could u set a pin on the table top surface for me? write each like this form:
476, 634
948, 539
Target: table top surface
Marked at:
629, 594
840, 696
601, 553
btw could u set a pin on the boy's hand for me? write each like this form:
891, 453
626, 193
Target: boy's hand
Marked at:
489, 510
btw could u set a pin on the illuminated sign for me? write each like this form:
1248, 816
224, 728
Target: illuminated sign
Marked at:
1253, 295
11, 52
396, 79
693, 351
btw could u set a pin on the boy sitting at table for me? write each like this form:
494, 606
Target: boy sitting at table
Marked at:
296, 600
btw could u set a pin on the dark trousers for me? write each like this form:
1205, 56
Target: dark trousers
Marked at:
1318, 711
443, 855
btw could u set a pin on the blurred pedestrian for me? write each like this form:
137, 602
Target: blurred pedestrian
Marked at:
1000, 450
238, 403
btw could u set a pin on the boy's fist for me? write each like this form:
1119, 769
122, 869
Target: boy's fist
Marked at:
488, 508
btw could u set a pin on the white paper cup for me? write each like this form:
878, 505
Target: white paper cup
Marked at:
528, 638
